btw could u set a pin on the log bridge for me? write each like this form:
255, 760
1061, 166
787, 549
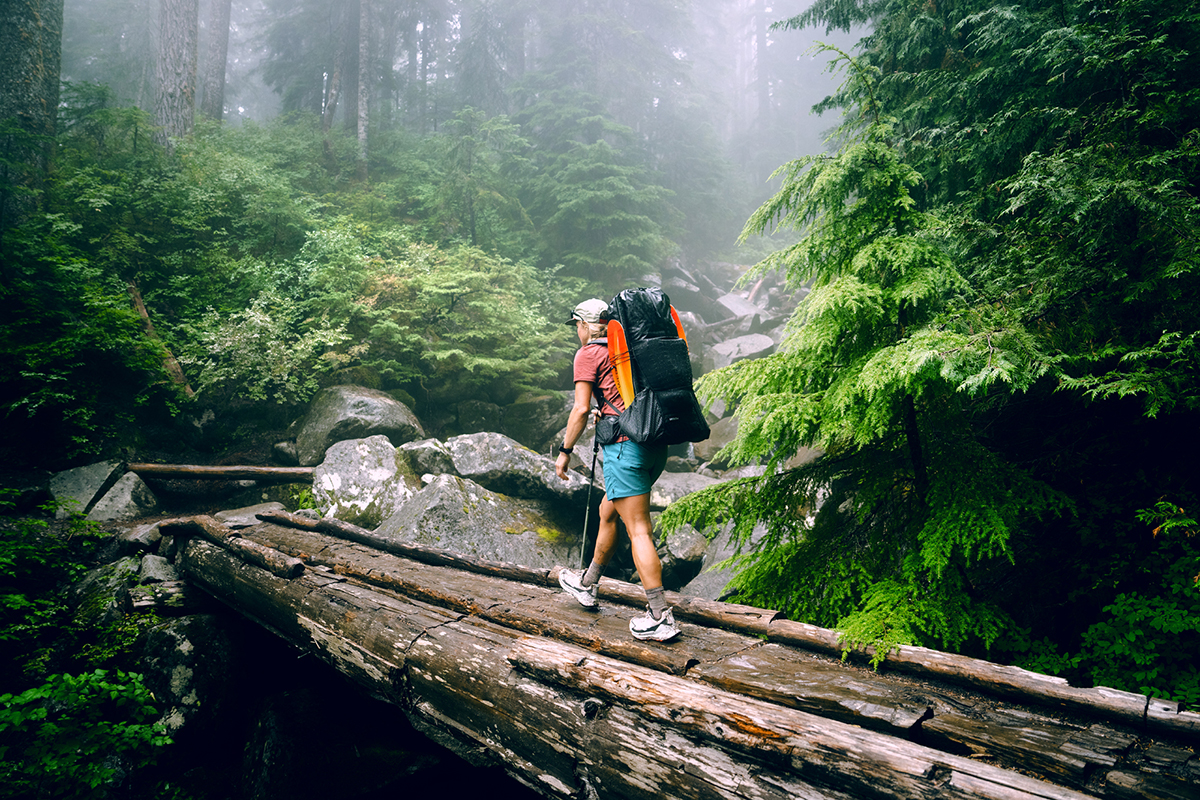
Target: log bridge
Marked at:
495, 662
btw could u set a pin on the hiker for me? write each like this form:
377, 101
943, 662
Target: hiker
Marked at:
630, 469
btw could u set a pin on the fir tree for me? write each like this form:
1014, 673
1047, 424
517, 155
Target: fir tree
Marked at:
874, 370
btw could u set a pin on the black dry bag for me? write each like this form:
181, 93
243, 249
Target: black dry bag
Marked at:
664, 408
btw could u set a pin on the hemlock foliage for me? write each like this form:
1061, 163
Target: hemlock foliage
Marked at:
997, 356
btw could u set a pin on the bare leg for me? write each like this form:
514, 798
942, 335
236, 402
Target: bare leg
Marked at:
606, 535
635, 512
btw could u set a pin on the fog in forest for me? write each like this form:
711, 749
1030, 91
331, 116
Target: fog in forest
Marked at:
714, 98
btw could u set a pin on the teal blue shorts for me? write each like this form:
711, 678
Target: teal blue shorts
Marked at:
631, 469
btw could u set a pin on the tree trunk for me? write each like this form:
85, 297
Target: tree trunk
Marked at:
332, 91
1013, 683
389, 25
762, 65
364, 82
170, 363
349, 45
30, 57
212, 104
175, 95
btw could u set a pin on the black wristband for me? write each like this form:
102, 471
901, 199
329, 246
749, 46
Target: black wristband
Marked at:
567, 450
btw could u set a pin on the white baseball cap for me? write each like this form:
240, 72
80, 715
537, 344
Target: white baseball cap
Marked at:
593, 310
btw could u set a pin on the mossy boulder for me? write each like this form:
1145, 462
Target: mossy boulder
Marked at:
456, 514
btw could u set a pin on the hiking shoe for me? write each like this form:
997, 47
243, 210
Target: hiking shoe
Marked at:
647, 627
572, 581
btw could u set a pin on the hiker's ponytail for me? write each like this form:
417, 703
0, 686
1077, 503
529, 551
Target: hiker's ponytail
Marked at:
596, 330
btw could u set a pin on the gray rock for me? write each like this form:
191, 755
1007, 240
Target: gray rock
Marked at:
777, 334
460, 515
156, 569
340, 413
142, 538
102, 597
128, 498
688, 296
738, 306
716, 410
503, 465
691, 322
582, 454
712, 583
285, 453
245, 517
428, 457
191, 664
671, 486
75, 490
802, 456
533, 418
478, 415
745, 471
679, 464
720, 434
363, 481
681, 553
754, 345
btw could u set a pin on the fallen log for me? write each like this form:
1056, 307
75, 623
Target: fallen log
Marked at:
1004, 681
822, 753
231, 473
278, 563
1069, 752
576, 724
1009, 682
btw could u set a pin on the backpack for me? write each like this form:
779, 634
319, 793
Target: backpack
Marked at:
649, 354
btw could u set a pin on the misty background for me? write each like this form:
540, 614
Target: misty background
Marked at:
714, 99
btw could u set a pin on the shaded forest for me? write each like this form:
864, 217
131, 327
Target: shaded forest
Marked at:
997, 218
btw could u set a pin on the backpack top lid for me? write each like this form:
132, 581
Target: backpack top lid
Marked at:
643, 313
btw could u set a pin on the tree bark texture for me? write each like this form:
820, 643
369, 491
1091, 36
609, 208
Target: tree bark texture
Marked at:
175, 69
231, 473
216, 56
30, 59
248, 550
349, 47
364, 82
571, 705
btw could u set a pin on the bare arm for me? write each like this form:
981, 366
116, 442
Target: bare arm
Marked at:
575, 424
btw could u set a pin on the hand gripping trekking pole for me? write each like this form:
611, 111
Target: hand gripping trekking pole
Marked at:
588, 510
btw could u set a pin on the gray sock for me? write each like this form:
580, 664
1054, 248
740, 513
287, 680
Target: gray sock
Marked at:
658, 603
593, 573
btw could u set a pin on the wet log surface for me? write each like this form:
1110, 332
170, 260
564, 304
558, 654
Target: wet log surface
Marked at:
232, 473
496, 662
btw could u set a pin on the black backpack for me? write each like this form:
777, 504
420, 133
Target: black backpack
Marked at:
664, 408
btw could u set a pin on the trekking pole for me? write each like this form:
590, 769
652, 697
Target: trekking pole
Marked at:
588, 509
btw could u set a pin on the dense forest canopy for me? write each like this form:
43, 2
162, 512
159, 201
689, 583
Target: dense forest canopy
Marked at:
997, 357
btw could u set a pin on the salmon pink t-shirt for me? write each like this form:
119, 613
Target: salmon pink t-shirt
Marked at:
591, 365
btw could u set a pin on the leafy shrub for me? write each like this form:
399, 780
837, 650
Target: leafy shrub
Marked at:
74, 735
1149, 636
263, 351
